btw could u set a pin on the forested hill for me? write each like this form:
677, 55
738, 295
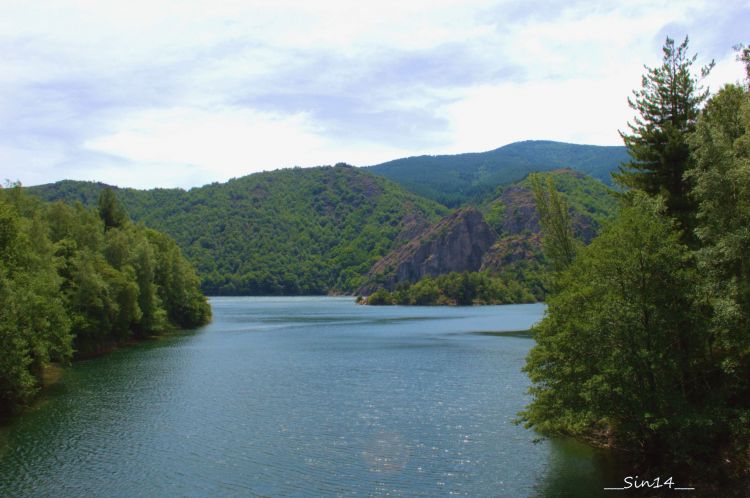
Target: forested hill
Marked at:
501, 238
291, 231
454, 180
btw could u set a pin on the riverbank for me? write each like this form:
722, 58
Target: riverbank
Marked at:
53, 373
456, 289
380, 300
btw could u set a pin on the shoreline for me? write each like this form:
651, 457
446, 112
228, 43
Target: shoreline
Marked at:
53, 373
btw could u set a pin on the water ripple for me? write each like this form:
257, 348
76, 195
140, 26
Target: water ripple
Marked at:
292, 397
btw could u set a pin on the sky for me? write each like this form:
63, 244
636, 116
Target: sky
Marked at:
156, 93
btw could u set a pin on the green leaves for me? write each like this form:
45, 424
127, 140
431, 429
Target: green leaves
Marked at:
110, 210
554, 217
645, 345
34, 327
721, 147
619, 343
67, 281
455, 289
668, 105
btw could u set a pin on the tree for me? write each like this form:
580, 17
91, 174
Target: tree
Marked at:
721, 146
34, 328
668, 105
743, 55
619, 357
558, 242
66, 283
110, 210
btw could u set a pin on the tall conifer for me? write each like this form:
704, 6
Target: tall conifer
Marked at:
667, 107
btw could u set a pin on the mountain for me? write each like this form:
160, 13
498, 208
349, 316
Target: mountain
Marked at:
325, 229
454, 244
502, 239
291, 231
513, 215
454, 180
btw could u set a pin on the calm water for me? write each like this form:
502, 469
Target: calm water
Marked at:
301, 396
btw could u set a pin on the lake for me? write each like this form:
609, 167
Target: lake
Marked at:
310, 396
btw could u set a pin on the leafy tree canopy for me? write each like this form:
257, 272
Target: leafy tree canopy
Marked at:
74, 280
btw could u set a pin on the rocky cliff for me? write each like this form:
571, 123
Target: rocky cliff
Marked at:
520, 237
507, 240
456, 243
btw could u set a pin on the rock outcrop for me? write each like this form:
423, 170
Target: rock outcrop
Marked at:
464, 241
456, 243
511, 249
520, 233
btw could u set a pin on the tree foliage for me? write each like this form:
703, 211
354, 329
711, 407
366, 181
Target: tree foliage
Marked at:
619, 355
110, 209
646, 345
743, 55
667, 107
34, 326
454, 288
722, 190
78, 280
558, 242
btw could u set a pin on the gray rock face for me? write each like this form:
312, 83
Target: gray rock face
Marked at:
456, 243
520, 211
521, 217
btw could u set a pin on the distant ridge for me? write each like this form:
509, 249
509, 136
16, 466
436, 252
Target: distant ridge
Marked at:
454, 180
320, 230
289, 231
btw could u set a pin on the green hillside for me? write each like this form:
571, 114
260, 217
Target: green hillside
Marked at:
458, 179
292, 231
587, 197
494, 254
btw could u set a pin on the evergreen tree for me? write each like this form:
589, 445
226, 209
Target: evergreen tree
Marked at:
110, 210
667, 105
645, 345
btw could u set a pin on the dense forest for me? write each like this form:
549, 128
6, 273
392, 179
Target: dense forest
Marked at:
322, 230
292, 231
644, 346
75, 281
455, 180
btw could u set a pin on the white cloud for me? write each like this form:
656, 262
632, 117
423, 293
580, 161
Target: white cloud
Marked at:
149, 92
220, 143
726, 70
579, 111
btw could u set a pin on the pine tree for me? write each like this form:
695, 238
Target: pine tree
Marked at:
668, 105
